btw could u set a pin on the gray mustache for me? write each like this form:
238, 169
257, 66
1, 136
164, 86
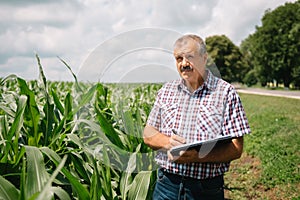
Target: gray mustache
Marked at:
186, 68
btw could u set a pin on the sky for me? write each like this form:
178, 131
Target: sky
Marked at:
114, 40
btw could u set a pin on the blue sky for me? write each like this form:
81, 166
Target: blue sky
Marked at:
74, 29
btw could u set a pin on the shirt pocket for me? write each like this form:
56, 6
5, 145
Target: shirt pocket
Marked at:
168, 116
209, 122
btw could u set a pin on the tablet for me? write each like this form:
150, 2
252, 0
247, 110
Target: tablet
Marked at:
197, 144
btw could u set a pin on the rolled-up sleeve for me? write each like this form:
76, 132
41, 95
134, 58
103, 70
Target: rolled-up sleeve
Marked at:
235, 120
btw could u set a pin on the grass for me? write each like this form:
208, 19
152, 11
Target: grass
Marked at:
270, 166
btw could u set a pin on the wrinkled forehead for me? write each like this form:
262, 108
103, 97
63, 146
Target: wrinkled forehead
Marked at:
186, 46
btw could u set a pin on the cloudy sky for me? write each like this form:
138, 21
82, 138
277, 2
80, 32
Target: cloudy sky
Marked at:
112, 38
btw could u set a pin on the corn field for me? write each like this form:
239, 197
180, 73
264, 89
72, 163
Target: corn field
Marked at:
74, 140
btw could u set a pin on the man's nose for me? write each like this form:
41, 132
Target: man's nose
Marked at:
185, 61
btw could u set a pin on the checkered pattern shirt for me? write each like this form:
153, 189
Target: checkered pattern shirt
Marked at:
213, 109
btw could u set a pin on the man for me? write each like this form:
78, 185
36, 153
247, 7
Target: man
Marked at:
198, 107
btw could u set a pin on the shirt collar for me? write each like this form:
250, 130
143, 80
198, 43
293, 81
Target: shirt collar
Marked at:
209, 83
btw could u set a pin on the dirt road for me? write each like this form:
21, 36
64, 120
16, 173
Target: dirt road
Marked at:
278, 93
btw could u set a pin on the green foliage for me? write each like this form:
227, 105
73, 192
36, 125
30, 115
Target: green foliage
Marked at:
274, 47
250, 78
8, 190
73, 140
227, 57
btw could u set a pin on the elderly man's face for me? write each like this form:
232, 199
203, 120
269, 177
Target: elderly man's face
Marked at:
190, 63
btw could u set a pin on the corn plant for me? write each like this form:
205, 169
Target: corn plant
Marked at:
73, 140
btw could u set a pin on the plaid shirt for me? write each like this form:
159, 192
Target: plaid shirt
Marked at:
213, 109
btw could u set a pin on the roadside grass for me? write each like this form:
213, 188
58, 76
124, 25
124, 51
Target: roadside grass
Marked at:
270, 166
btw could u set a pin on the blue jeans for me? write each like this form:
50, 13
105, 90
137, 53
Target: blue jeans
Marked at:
174, 187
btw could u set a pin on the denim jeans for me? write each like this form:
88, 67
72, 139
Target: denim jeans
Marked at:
175, 187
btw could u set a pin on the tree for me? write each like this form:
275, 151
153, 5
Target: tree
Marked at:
275, 46
227, 57
251, 76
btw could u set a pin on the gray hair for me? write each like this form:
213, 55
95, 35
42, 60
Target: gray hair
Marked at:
183, 39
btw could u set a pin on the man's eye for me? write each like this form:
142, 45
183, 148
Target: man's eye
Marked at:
189, 57
178, 59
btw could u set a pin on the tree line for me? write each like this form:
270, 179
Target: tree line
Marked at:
270, 54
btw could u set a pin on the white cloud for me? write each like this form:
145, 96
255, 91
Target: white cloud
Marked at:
127, 51
19, 65
237, 19
73, 29
44, 14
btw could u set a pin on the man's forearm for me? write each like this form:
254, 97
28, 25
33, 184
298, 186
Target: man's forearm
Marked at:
155, 140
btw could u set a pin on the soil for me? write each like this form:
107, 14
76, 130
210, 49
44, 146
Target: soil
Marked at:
243, 182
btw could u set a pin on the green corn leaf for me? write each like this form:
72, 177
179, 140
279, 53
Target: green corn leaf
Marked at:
108, 129
74, 76
139, 123
79, 166
140, 186
102, 94
68, 107
59, 129
7, 107
52, 155
106, 176
2, 142
95, 128
14, 131
65, 123
3, 127
96, 189
130, 128
128, 122
19, 155
23, 178
80, 190
3, 136
126, 178
37, 175
74, 138
63, 195
8, 78
32, 112
47, 122
86, 98
33, 197
7, 190
57, 102
47, 192
18, 123
101, 140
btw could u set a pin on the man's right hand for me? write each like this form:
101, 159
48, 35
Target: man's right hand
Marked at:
158, 141
176, 140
